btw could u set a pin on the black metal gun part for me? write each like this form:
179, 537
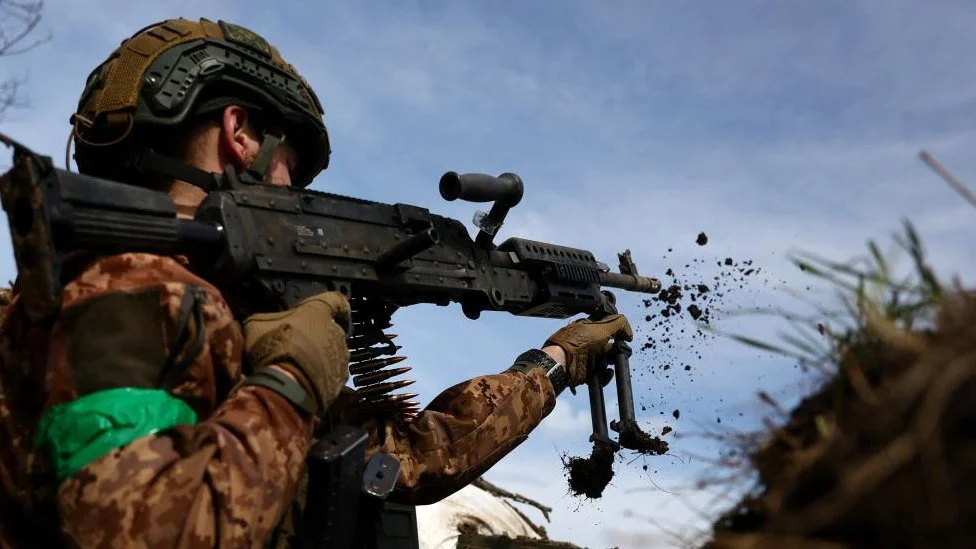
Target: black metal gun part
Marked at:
279, 245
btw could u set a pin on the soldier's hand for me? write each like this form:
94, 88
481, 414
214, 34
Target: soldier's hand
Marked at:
586, 342
308, 341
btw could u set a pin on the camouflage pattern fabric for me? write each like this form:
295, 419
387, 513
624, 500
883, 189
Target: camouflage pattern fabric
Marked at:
227, 480
462, 433
220, 481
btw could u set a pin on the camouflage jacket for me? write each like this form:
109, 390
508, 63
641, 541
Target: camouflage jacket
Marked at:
226, 480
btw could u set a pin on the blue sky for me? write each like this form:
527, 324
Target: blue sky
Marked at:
771, 126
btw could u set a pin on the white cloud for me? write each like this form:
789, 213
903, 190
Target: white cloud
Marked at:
566, 419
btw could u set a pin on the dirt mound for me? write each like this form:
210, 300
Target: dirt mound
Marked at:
882, 456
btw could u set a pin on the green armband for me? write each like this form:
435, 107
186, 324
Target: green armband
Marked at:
79, 432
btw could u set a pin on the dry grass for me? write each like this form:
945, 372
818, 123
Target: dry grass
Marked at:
883, 453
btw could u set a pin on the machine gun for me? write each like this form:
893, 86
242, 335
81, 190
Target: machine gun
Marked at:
279, 245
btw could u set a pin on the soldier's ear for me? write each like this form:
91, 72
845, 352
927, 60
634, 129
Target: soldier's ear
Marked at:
236, 140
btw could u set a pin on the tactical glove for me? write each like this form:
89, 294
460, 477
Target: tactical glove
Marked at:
587, 341
308, 341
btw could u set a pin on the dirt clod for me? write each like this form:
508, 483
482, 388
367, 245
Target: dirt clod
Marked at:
702, 239
590, 476
643, 443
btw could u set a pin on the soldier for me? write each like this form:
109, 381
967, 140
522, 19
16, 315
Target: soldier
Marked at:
147, 414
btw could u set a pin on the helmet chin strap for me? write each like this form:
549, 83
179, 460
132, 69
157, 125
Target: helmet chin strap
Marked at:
262, 161
151, 161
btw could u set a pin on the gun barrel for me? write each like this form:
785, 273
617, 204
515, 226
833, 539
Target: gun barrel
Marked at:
631, 283
409, 248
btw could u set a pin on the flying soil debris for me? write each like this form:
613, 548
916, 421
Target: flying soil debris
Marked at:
663, 336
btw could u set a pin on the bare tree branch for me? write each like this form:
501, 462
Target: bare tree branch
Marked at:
502, 493
952, 180
19, 20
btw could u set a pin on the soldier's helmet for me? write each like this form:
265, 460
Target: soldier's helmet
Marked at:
177, 71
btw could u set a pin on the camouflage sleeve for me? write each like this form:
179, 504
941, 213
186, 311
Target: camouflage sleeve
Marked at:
462, 433
223, 481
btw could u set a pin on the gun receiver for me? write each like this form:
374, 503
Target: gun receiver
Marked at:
280, 245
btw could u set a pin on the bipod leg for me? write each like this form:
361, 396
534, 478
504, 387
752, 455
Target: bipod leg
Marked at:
598, 409
631, 435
